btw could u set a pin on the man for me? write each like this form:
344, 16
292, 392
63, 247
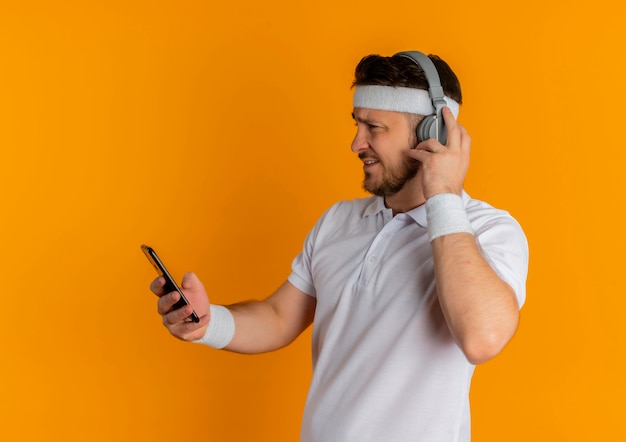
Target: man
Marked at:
408, 289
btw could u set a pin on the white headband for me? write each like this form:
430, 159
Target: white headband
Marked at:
399, 99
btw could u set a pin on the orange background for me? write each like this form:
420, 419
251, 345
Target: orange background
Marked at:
218, 132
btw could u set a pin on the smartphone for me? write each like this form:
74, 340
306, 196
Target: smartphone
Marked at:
170, 284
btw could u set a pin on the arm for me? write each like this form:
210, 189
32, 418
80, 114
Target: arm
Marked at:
480, 308
271, 324
260, 326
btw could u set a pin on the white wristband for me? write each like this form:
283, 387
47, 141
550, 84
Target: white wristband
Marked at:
445, 214
221, 328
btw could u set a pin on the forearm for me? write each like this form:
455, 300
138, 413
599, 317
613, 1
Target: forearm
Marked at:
480, 308
262, 326
257, 328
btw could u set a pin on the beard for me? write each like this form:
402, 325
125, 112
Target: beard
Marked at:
393, 178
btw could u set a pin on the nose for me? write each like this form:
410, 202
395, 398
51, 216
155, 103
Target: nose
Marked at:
359, 142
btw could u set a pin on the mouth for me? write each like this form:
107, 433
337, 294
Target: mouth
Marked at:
369, 164
368, 161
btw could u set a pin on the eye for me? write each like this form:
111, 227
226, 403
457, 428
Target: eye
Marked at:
369, 126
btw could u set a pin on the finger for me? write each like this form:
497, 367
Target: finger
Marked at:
448, 117
178, 316
157, 286
425, 150
421, 155
166, 302
430, 145
190, 331
191, 282
453, 128
466, 139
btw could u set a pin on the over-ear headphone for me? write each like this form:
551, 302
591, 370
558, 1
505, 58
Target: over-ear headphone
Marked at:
432, 126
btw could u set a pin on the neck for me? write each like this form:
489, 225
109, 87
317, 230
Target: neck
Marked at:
410, 197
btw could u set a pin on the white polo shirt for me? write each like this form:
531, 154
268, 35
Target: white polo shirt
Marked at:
386, 367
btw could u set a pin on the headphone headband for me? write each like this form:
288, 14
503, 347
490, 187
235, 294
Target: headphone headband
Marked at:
432, 126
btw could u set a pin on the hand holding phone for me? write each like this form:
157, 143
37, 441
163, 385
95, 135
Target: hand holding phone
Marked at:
170, 283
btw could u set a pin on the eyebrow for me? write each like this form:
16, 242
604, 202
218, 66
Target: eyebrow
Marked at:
366, 120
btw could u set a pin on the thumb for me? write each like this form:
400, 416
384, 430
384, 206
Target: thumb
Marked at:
191, 281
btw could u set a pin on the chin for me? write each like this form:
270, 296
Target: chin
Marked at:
370, 186
378, 190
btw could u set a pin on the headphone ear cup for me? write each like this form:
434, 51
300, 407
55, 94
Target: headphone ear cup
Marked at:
427, 129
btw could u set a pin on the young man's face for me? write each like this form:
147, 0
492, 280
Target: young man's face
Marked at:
381, 141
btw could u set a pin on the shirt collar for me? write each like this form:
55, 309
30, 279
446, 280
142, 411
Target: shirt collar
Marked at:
376, 205
419, 215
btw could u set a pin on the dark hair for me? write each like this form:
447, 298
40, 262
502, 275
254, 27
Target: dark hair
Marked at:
400, 71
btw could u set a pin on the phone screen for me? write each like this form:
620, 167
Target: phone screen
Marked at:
170, 283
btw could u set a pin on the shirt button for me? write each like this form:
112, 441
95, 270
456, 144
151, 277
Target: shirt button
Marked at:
372, 258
